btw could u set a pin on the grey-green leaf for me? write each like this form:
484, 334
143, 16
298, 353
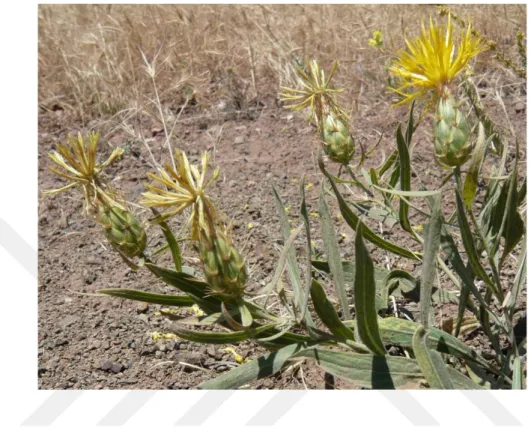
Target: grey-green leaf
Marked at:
430, 362
327, 313
331, 247
264, 366
149, 297
365, 296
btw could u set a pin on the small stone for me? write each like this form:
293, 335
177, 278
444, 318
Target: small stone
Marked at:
112, 367
519, 107
233, 183
60, 342
106, 345
68, 321
89, 276
142, 308
239, 140
94, 345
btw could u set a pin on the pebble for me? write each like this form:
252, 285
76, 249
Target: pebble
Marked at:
68, 321
239, 140
112, 367
89, 276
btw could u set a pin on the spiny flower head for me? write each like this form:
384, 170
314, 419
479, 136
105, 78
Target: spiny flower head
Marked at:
182, 188
317, 94
433, 61
76, 162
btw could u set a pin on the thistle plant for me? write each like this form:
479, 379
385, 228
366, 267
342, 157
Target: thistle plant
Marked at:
337, 312
431, 64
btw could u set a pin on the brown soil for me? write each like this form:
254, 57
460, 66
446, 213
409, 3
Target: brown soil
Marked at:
90, 342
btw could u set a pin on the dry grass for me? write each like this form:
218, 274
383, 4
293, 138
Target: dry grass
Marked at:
91, 57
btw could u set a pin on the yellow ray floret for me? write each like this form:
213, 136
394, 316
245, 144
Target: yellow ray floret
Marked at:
433, 60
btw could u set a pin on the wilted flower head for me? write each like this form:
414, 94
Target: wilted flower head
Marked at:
76, 162
185, 187
317, 94
433, 60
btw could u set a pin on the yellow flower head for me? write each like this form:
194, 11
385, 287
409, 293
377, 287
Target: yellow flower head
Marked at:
76, 162
317, 94
183, 188
432, 61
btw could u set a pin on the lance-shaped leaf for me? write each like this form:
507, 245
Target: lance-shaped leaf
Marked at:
219, 337
292, 266
430, 362
305, 314
149, 297
327, 313
365, 296
331, 247
432, 241
469, 243
472, 177
405, 177
264, 366
172, 242
193, 287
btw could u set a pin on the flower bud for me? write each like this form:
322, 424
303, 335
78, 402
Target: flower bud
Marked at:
452, 145
223, 265
123, 230
338, 143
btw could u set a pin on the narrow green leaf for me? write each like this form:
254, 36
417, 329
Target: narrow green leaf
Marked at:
264, 366
218, 337
450, 249
148, 297
424, 193
430, 362
405, 177
172, 242
513, 229
388, 163
327, 313
472, 177
245, 314
365, 296
469, 244
410, 125
305, 314
520, 278
429, 263
353, 220
517, 374
292, 266
195, 288
331, 247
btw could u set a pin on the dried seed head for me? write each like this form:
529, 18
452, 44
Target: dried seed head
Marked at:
76, 162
